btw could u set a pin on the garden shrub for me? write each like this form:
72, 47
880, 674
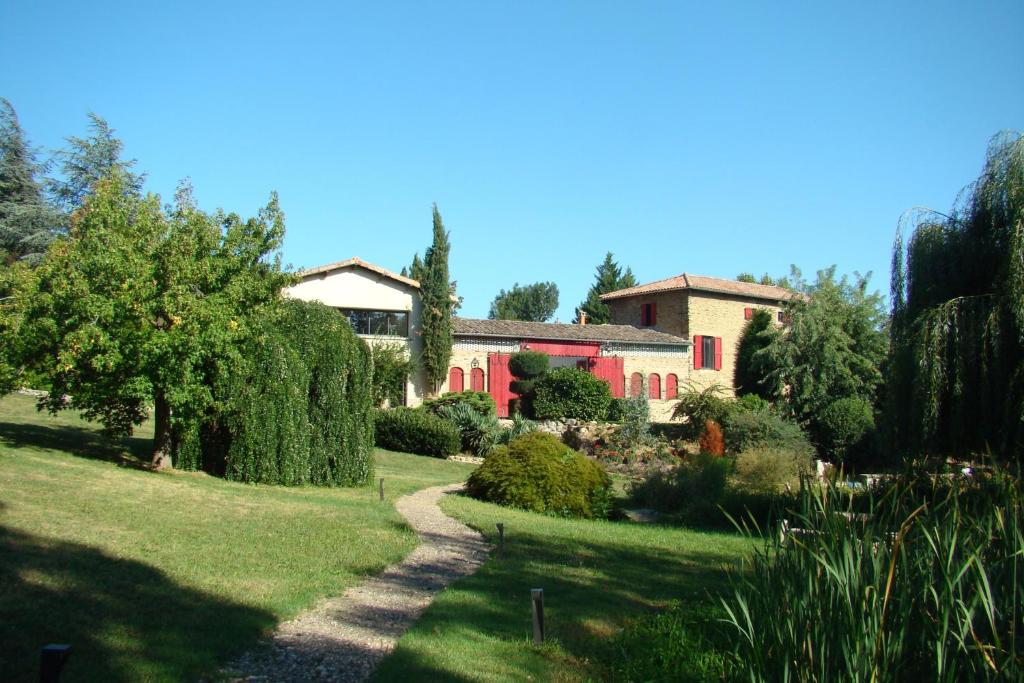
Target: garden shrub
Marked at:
571, 393
537, 472
416, 431
616, 409
298, 410
697, 405
767, 470
842, 425
528, 364
636, 421
711, 441
391, 370
693, 490
479, 401
744, 429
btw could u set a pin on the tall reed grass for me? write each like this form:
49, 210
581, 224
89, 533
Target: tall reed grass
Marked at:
920, 580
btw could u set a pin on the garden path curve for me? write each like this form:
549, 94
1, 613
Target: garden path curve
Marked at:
342, 639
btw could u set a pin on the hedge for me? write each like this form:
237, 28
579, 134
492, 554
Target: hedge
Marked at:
416, 431
571, 393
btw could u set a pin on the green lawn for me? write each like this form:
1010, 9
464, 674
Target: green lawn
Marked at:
162, 576
597, 577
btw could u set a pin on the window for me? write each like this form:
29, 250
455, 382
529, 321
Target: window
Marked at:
648, 315
671, 386
748, 313
654, 386
476, 379
636, 384
378, 323
707, 352
455, 380
783, 318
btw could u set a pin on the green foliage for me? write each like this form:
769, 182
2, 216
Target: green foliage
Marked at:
299, 411
528, 364
537, 472
746, 277
833, 347
139, 308
27, 223
607, 278
436, 292
926, 586
89, 160
745, 429
391, 369
842, 425
693, 490
536, 302
480, 401
751, 375
416, 431
769, 470
635, 418
956, 361
571, 393
699, 404
417, 270
478, 431
617, 410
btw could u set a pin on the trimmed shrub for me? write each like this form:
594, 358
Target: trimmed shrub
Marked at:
297, 411
528, 364
537, 472
416, 431
479, 401
842, 425
571, 393
747, 429
711, 441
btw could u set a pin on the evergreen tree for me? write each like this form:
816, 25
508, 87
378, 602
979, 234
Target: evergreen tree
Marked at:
436, 296
536, 302
88, 160
750, 375
956, 362
27, 223
608, 278
417, 270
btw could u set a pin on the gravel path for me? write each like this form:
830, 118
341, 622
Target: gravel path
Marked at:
344, 638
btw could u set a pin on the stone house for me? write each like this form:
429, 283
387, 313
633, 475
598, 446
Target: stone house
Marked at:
631, 359
711, 312
382, 307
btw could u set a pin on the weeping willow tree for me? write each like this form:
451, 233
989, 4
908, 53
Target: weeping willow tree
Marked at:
956, 374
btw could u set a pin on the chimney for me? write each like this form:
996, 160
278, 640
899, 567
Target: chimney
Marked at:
583, 317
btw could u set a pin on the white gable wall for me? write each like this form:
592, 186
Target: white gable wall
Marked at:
355, 287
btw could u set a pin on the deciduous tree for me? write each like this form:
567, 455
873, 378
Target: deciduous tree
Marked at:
536, 302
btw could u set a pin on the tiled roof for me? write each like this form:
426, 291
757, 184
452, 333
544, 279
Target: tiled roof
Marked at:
518, 329
358, 262
705, 284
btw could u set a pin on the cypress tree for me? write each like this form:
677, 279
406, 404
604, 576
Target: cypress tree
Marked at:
436, 296
417, 270
608, 277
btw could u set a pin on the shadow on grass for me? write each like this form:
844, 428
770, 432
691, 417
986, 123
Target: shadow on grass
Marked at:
125, 620
592, 588
85, 442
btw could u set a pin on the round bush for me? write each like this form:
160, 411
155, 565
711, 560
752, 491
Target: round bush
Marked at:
843, 424
537, 472
416, 431
480, 401
571, 393
528, 364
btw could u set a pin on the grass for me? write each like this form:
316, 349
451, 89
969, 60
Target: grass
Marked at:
598, 578
164, 576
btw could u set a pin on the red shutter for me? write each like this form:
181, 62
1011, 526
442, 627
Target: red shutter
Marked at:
654, 386
455, 380
654, 314
476, 379
498, 377
698, 352
718, 353
636, 384
671, 386
748, 313
609, 368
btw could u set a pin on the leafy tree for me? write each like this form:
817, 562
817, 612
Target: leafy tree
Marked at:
139, 307
751, 375
436, 295
536, 302
88, 160
956, 366
391, 369
608, 277
27, 222
746, 277
833, 347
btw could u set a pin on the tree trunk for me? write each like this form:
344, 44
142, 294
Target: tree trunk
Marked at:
161, 432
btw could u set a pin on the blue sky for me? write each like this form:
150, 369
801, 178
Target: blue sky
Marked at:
711, 138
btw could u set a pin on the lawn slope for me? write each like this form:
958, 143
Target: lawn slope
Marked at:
161, 576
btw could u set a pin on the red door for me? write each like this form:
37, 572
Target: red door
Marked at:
609, 368
498, 379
